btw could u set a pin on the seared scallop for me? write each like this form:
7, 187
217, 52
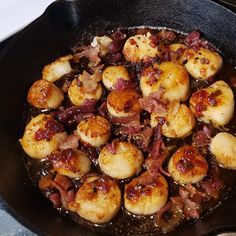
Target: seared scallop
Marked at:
57, 69
94, 130
112, 74
97, 200
170, 77
223, 147
42, 136
44, 95
139, 47
179, 121
177, 52
214, 104
146, 194
202, 64
123, 103
78, 94
71, 163
120, 160
187, 165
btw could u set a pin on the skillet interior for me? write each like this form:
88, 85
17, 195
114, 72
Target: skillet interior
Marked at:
63, 23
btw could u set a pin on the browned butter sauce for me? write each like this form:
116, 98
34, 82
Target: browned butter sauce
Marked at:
125, 223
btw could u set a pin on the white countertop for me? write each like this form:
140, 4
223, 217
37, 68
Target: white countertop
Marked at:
16, 14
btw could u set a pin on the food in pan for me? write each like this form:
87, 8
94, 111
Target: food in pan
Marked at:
135, 132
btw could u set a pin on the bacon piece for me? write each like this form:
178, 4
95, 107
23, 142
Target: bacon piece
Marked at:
90, 82
122, 84
103, 109
111, 147
143, 137
154, 103
212, 185
71, 141
192, 209
75, 114
123, 120
55, 198
166, 35
92, 53
194, 41
51, 128
45, 182
64, 159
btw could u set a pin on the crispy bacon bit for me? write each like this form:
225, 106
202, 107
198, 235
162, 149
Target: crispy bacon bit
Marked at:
170, 215
192, 209
132, 42
122, 84
103, 184
65, 159
131, 128
153, 103
143, 186
189, 161
143, 137
45, 182
194, 41
111, 147
51, 128
92, 53
103, 109
71, 141
166, 35
202, 99
153, 75
62, 181
74, 114
90, 82
55, 198
213, 184
123, 120
118, 42
154, 40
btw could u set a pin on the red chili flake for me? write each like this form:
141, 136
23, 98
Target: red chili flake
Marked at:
204, 61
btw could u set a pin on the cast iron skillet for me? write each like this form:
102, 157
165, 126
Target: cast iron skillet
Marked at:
50, 36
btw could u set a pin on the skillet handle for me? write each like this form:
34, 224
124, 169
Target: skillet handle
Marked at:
230, 4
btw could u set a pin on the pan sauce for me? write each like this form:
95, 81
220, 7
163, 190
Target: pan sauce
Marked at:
125, 222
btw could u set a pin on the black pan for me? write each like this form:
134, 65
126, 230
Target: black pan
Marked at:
52, 35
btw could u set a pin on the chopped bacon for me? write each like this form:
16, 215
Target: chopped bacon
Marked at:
51, 128
63, 182
75, 114
103, 109
194, 41
90, 82
153, 104
124, 120
212, 184
170, 216
92, 53
62, 190
45, 182
122, 84
118, 42
65, 159
55, 198
70, 141
111, 147
166, 35
143, 137
192, 209
154, 40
